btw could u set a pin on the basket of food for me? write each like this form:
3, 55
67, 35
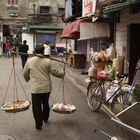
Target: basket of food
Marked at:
63, 108
16, 106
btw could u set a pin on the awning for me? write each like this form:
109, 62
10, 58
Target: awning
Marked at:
45, 32
72, 31
48, 26
119, 6
90, 30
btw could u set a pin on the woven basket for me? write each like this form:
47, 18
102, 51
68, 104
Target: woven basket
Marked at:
13, 107
63, 108
63, 111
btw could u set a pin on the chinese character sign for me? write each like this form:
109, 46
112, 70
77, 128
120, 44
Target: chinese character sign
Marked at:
88, 7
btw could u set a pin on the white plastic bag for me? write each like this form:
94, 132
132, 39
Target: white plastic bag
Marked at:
110, 92
114, 138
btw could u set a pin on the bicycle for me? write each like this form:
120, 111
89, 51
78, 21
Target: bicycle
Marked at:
96, 94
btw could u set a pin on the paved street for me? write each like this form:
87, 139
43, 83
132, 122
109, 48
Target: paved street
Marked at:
76, 126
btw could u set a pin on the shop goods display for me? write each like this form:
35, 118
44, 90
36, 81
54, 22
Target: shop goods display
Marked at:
100, 59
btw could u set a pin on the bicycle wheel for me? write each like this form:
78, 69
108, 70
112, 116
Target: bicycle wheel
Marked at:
94, 96
119, 103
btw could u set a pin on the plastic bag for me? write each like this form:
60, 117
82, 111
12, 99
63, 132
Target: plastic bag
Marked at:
110, 70
118, 64
110, 53
114, 138
102, 75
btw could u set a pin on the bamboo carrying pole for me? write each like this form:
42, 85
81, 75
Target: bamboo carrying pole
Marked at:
39, 55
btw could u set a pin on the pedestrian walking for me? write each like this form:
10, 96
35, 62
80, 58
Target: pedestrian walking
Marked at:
7, 49
24, 49
39, 70
15, 47
0, 49
47, 51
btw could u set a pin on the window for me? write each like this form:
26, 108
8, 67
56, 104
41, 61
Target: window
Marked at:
77, 7
12, 2
61, 10
44, 9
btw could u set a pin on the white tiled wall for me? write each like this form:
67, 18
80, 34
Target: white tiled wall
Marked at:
121, 30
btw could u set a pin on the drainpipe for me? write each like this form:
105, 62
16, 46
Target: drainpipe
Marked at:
66, 50
34, 11
34, 8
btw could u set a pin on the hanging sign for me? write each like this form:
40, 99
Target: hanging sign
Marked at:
89, 7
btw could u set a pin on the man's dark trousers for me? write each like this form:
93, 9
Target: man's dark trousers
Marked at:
40, 107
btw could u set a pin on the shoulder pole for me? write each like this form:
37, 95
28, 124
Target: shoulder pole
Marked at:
39, 55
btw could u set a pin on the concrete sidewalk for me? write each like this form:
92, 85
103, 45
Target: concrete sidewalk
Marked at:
76, 76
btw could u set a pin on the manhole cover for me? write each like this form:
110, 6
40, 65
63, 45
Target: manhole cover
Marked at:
6, 137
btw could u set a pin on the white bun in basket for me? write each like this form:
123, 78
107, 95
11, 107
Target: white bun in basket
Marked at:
63, 108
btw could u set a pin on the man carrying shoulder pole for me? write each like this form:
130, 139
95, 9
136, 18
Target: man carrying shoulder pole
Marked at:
38, 70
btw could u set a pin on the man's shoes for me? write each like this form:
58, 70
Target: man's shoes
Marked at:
38, 129
46, 122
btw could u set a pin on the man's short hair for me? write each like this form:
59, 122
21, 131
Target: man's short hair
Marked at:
39, 49
24, 41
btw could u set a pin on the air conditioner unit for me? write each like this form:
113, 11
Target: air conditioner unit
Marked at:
14, 14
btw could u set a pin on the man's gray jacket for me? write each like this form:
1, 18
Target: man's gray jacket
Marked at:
38, 70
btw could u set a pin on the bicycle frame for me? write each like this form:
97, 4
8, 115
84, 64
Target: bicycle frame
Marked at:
101, 85
97, 94
114, 94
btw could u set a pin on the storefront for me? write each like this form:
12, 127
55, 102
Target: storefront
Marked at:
41, 33
127, 33
92, 34
72, 32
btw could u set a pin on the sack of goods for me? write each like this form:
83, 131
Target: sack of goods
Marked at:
63, 108
110, 92
118, 64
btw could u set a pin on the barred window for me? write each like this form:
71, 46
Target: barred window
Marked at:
12, 2
44, 9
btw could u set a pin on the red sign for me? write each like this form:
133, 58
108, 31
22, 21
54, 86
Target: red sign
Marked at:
88, 7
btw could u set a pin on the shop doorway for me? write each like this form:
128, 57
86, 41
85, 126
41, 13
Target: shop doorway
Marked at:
6, 35
134, 49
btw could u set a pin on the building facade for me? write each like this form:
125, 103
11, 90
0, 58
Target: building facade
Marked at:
121, 22
32, 16
127, 30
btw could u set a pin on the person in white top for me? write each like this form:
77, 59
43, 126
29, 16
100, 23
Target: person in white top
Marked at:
47, 51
